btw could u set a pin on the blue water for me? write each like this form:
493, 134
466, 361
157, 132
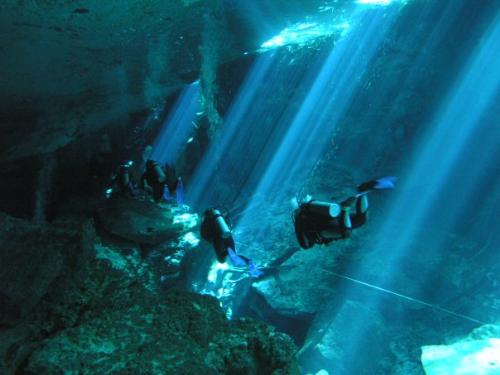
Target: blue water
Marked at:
410, 89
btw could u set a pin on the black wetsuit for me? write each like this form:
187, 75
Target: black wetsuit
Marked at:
154, 181
172, 180
309, 227
208, 232
125, 181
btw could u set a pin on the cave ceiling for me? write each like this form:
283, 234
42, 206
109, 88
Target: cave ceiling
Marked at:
69, 68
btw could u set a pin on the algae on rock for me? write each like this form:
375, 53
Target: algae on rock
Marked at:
100, 311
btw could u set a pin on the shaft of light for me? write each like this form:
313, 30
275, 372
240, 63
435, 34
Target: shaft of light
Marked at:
178, 126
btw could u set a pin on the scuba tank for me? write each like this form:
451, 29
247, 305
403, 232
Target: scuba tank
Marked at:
156, 171
314, 222
123, 178
324, 209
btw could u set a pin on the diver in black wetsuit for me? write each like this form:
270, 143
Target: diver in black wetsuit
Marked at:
216, 229
318, 222
157, 177
124, 180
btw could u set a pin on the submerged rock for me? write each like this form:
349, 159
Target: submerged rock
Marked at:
101, 311
31, 258
332, 340
145, 222
302, 283
477, 354
183, 333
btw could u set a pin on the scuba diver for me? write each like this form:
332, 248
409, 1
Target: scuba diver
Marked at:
216, 229
158, 178
318, 222
125, 181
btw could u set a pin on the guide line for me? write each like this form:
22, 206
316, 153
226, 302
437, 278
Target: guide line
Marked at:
408, 298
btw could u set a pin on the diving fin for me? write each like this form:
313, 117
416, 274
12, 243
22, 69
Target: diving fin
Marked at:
242, 261
381, 183
166, 193
235, 259
179, 192
254, 271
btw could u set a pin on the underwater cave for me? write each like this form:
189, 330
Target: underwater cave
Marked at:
250, 187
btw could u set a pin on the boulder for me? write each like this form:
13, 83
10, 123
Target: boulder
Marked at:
476, 354
144, 222
302, 283
31, 258
182, 333
333, 341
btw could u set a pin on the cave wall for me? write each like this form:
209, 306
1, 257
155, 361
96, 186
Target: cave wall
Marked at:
75, 72
73, 68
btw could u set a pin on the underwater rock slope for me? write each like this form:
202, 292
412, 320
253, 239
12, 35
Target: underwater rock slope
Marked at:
71, 304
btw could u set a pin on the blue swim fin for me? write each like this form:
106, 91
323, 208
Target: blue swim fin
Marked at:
241, 261
179, 192
253, 270
235, 259
166, 193
382, 183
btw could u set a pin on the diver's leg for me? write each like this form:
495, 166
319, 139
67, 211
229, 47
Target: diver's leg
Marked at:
220, 249
346, 227
157, 192
359, 218
362, 204
303, 230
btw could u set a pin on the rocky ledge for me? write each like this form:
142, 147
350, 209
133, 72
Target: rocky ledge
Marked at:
75, 305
